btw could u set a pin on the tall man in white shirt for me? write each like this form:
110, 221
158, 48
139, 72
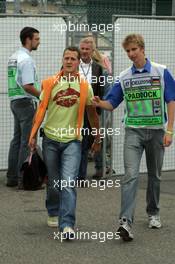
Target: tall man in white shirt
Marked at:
22, 92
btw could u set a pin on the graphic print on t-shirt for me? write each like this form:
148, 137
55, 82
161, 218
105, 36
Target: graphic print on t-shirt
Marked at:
66, 98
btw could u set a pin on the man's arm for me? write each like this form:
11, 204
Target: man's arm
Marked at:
94, 123
30, 88
102, 103
171, 115
28, 74
113, 98
36, 124
168, 138
169, 95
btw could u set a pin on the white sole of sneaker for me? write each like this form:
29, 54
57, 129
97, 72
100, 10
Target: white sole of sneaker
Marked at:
52, 225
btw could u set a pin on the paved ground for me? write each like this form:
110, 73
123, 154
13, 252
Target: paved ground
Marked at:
25, 237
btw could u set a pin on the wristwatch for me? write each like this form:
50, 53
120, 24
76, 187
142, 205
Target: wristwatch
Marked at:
169, 132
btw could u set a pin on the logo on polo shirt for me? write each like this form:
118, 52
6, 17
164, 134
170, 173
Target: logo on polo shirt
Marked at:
142, 82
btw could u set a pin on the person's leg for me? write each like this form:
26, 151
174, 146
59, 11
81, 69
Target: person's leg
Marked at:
85, 146
12, 174
98, 165
25, 113
70, 162
98, 156
84, 158
133, 150
51, 154
154, 156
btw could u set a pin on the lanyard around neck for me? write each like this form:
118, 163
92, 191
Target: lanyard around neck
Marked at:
86, 73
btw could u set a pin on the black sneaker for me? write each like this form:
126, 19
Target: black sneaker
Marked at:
124, 230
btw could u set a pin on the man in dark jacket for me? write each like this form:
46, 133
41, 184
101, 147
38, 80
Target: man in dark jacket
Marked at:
91, 71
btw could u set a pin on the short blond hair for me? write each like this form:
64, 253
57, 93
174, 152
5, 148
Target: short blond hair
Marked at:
88, 40
135, 39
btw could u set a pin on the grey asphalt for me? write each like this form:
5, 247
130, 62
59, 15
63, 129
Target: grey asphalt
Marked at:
25, 237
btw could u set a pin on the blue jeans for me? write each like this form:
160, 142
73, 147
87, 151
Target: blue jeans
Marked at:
23, 112
62, 161
136, 141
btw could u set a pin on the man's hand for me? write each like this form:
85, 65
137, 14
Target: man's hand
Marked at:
101, 103
32, 144
30, 88
96, 147
167, 140
96, 101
